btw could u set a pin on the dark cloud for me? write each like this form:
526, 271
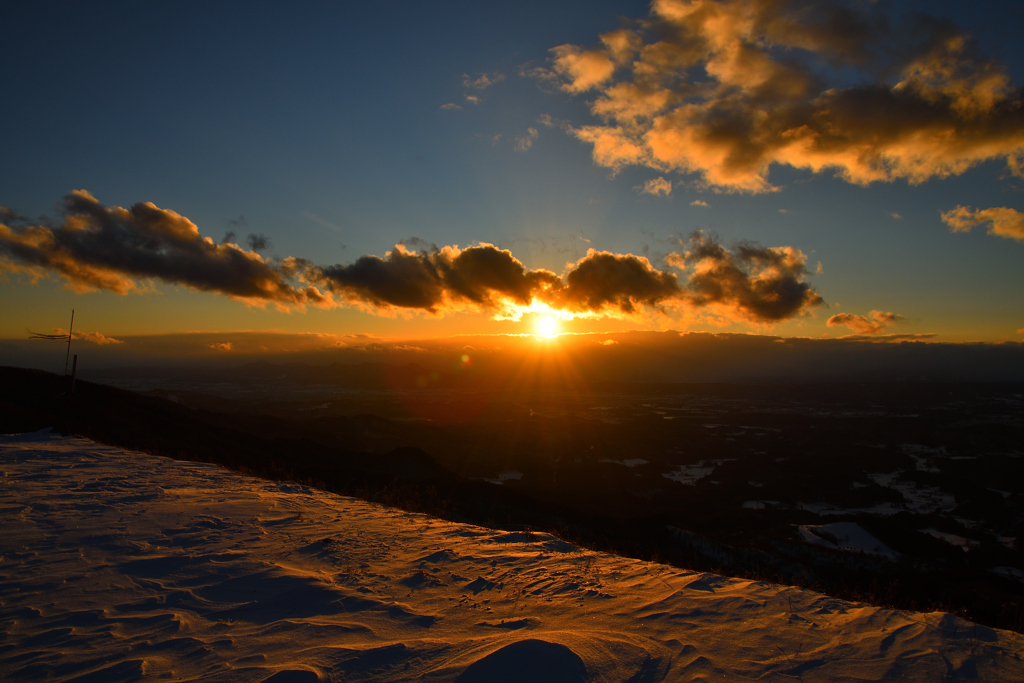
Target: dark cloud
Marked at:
602, 280
258, 242
402, 278
478, 273
418, 243
97, 247
763, 284
435, 279
118, 249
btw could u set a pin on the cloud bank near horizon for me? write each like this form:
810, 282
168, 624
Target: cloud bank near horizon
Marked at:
723, 89
658, 357
125, 250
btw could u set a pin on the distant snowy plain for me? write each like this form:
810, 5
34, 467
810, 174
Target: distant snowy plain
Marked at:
121, 566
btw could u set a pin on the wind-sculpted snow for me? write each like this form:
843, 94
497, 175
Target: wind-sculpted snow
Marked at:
119, 565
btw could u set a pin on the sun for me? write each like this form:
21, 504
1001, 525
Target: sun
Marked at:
547, 326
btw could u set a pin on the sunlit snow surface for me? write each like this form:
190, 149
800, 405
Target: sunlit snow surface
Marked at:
118, 565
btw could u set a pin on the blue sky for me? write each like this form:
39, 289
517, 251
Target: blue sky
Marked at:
323, 127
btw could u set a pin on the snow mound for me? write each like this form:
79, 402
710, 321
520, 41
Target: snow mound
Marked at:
527, 660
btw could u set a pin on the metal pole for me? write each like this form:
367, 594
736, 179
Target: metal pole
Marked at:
74, 373
70, 330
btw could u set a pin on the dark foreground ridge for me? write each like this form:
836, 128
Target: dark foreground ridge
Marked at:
905, 495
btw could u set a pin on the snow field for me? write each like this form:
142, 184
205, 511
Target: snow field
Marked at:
120, 566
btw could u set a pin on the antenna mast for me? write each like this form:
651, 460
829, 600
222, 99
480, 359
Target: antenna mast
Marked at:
70, 331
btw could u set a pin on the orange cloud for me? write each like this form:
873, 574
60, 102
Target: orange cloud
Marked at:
91, 337
1002, 221
96, 338
582, 69
723, 89
874, 323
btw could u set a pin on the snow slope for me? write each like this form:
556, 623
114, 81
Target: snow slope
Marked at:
118, 566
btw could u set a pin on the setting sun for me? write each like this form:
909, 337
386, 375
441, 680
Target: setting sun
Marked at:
547, 326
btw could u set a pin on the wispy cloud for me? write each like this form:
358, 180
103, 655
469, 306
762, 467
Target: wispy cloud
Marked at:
91, 337
889, 337
258, 242
699, 202
656, 186
723, 89
873, 324
321, 221
1001, 221
476, 84
481, 81
525, 142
